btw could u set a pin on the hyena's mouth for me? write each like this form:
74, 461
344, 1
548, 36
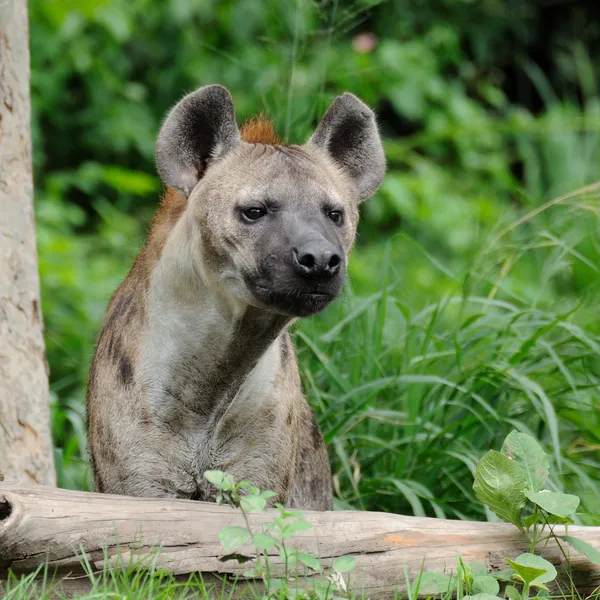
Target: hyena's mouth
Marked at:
299, 302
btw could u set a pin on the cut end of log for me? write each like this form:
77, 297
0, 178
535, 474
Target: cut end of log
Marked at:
9, 514
6, 508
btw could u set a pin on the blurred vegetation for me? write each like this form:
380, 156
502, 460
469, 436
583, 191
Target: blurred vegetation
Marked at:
472, 307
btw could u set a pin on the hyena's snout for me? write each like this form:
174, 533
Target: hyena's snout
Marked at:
301, 277
317, 259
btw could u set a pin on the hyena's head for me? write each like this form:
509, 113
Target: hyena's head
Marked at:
275, 222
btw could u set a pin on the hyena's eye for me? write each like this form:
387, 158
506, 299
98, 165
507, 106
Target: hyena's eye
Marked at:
254, 213
335, 216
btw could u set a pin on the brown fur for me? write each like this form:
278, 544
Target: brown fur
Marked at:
259, 130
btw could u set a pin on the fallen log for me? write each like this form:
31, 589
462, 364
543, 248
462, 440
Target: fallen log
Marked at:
42, 525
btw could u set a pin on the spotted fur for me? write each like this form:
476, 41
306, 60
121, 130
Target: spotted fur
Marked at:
194, 368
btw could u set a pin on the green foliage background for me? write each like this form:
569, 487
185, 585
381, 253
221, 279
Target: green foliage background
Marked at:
472, 306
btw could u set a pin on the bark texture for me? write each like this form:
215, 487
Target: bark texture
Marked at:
39, 525
25, 444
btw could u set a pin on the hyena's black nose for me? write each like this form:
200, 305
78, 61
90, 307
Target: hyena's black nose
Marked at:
316, 259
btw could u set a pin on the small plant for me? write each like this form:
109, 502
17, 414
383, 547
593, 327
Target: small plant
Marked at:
510, 483
273, 537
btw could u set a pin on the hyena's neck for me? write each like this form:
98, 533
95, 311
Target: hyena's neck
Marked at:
201, 347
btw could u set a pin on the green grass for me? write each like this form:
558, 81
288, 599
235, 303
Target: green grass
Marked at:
129, 583
409, 395
132, 582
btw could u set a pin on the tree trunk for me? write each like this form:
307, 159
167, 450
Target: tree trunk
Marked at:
25, 444
41, 526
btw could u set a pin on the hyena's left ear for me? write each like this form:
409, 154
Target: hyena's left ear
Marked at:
348, 133
201, 127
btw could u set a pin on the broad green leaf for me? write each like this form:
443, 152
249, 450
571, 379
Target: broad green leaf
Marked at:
220, 479
503, 574
500, 483
554, 520
295, 527
343, 564
233, 537
533, 570
477, 568
263, 541
295, 558
512, 593
525, 574
214, 477
251, 490
434, 583
481, 597
530, 457
583, 548
253, 503
556, 503
485, 584
309, 560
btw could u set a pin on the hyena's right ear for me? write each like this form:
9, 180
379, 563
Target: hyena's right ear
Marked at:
200, 127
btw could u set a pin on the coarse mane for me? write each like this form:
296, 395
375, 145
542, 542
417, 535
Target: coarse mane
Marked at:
259, 130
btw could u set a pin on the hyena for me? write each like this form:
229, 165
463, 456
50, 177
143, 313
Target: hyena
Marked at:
194, 368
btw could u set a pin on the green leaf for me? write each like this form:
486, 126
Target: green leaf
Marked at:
295, 527
512, 593
530, 457
533, 519
481, 597
556, 503
525, 574
434, 583
582, 547
287, 514
253, 503
220, 479
267, 494
500, 483
532, 569
485, 584
503, 574
233, 537
251, 490
343, 564
263, 541
309, 560
477, 568
554, 520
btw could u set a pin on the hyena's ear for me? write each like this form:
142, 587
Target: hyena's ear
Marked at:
348, 132
201, 127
